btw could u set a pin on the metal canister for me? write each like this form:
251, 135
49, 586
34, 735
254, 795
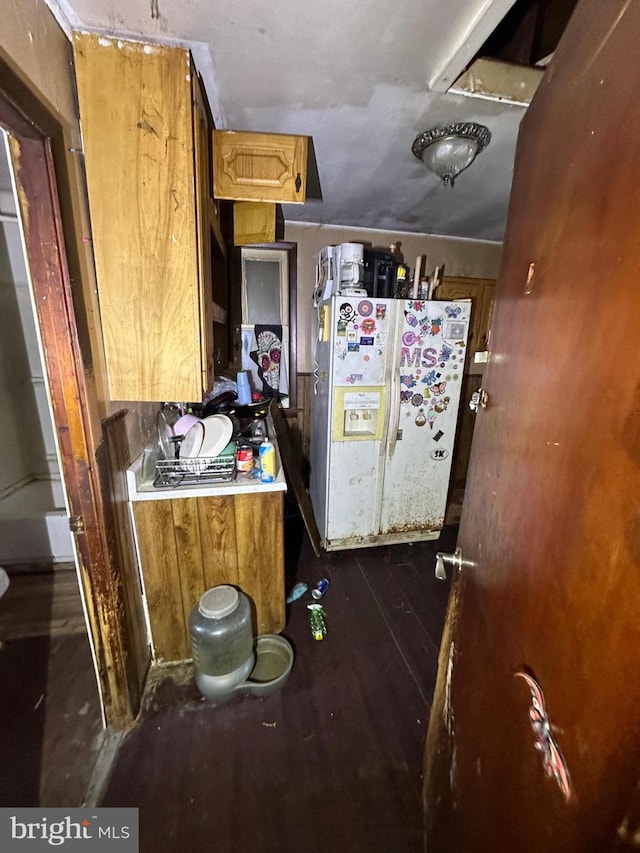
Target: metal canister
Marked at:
320, 588
244, 459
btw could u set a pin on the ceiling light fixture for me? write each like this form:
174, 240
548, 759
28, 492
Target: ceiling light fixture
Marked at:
448, 150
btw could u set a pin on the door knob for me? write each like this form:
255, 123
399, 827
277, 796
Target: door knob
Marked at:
454, 560
479, 400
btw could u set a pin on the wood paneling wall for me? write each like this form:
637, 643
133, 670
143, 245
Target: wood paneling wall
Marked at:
300, 423
189, 545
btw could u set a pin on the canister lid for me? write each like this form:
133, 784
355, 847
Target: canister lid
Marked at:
219, 601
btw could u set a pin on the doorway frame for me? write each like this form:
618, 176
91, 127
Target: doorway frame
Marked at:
36, 145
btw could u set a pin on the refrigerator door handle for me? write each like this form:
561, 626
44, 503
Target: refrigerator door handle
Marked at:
394, 421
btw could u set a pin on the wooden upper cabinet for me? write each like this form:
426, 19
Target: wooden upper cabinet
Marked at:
259, 166
147, 153
206, 219
480, 291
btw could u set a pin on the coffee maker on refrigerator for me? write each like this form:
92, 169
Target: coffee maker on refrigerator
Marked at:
347, 268
339, 269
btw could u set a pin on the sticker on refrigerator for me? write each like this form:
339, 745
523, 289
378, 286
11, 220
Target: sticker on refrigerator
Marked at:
441, 405
445, 353
410, 338
352, 336
368, 326
342, 328
438, 435
365, 308
455, 330
366, 342
418, 357
353, 346
432, 326
347, 311
439, 454
381, 311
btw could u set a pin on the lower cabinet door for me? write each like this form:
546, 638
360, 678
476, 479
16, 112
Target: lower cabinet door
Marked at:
188, 545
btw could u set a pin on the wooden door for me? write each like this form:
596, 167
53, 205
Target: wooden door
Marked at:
550, 531
91, 463
481, 293
478, 290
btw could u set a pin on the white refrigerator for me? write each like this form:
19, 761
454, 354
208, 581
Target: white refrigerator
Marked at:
387, 380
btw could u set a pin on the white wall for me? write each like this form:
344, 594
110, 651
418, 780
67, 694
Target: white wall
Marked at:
40, 53
466, 258
26, 431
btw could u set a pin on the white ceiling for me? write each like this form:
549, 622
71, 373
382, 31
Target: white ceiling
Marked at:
360, 78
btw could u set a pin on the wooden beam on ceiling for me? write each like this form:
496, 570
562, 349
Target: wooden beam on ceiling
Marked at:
499, 81
468, 42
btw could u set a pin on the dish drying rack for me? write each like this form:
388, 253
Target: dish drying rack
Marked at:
195, 472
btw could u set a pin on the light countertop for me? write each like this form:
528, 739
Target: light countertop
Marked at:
140, 484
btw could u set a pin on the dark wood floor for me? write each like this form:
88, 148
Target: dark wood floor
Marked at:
333, 761
50, 723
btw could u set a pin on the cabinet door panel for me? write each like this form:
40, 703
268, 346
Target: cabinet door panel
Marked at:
261, 557
189, 545
136, 114
159, 557
189, 553
259, 166
218, 540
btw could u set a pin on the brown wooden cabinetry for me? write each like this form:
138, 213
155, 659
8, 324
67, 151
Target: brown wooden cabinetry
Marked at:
188, 545
259, 166
147, 145
254, 222
481, 293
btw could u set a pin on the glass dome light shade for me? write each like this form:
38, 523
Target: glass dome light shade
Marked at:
447, 151
449, 156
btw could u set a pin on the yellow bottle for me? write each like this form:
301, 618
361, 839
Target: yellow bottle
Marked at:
267, 462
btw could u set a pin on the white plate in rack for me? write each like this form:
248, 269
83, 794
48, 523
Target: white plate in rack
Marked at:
217, 434
192, 444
